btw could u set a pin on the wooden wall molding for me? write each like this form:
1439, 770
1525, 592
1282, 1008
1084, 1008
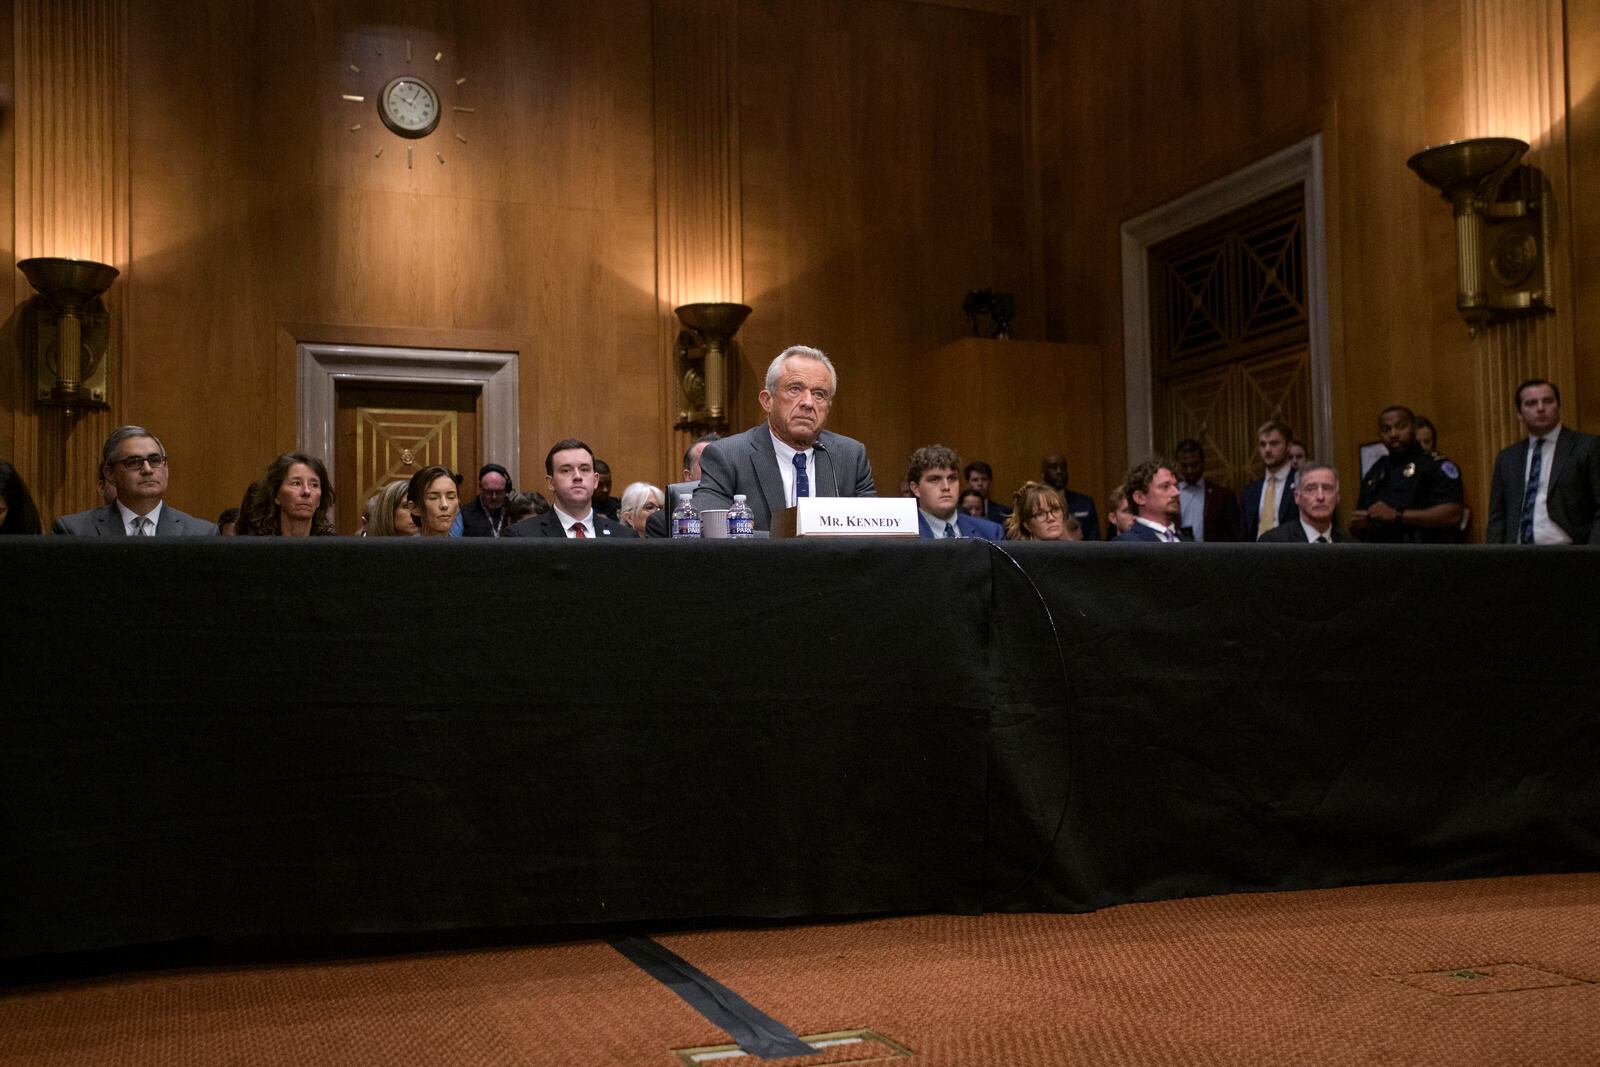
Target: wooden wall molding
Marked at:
1299, 163
699, 219
71, 200
1514, 85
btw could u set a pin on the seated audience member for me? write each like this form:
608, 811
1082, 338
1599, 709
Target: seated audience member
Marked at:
790, 455
974, 503
135, 462
934, 481
1546, 487
1121, 516
640, 501
1210, 512
1316, 494
1071, 528
434, 495
1297, 455
18, 514
604, 502
1037, 514
1152, 489
390, 514
660, 523
1269, 500
1428, 441
980, 479
1409, 496
227, 521
569, 469
486, 515
253, 504
1427, 434
1054, 470
293, 500
521, 506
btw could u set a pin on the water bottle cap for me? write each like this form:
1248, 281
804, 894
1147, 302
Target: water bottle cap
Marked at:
738, 498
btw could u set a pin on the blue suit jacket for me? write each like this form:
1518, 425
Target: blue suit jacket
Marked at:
969, 525
1140, 532
1250, 506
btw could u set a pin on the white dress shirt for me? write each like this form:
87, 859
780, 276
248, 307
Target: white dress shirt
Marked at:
1167, 532
1264, 521
1545, 531
937, 525
568, 522
128, 517
1193, 500
786, 467
1312, 533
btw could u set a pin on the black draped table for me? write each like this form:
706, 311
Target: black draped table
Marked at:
235, 737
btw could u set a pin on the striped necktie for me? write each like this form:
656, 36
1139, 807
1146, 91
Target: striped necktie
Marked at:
1530, 493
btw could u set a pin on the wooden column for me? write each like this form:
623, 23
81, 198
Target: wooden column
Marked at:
1514, 65
699, 238
71, 200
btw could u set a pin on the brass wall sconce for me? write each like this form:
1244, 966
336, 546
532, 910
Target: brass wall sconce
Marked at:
67, 329
701, 360
1503, 226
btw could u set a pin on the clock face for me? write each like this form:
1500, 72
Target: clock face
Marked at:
409, 107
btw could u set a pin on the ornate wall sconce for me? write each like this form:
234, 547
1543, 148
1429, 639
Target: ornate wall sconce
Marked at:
1503, 227
68, 331
700, 361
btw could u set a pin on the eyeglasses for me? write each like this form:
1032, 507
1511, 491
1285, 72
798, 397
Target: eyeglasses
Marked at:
132, 463
1045, 513
649, 505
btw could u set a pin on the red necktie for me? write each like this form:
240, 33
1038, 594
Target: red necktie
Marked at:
577, 530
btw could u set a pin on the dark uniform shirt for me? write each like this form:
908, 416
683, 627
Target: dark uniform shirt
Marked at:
1409, 481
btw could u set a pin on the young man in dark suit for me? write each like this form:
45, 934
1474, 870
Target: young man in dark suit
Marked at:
1546, 487
569, 468
937, 487
1269, 500
1316, 494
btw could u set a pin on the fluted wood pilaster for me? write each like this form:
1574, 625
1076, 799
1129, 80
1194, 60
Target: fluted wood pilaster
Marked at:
699, 238
1515, 85
71, 200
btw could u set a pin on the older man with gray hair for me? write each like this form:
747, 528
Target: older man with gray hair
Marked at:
134, 461
790, 455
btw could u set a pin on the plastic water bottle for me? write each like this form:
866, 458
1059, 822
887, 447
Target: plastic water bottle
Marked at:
685, 519
741, 520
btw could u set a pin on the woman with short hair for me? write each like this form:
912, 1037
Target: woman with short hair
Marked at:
639, 501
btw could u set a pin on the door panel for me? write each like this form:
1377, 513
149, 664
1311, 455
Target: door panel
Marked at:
390, 433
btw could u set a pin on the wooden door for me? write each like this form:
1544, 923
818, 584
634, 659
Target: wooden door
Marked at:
1232, 331
390, 432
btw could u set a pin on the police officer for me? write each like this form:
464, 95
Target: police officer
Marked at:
1410, 496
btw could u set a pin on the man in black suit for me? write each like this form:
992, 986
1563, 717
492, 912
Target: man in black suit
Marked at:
1270, 499
1152, 490
789, 455
1210, 512
134, 462
1054, 470
1316, 494
659, 524
1546, 487
569, 468
486, 516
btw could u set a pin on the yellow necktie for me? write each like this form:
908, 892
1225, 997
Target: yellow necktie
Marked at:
1269, 504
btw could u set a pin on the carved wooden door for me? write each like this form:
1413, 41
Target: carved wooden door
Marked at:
389, 433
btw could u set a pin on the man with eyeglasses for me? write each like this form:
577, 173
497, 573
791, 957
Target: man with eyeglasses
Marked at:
134, 461
790, 455
1316, 492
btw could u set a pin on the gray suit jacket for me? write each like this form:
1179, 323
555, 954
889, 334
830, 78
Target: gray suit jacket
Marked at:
106, 521
1574, 495
746, 463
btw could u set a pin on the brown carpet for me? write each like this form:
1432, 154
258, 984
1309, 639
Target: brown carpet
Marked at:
1367, 975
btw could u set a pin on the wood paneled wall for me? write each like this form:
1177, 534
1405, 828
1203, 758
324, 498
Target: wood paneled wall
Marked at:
1138, 101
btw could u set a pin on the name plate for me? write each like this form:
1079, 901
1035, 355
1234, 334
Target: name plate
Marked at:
848, 516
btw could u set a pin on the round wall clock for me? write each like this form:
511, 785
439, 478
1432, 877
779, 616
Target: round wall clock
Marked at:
409, 106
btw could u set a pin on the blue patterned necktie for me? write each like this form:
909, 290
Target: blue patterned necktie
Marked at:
950, 530
1530, 493
802, 484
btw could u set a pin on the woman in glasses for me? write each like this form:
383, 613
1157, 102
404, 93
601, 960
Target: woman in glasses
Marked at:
1038, 515
639, 501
